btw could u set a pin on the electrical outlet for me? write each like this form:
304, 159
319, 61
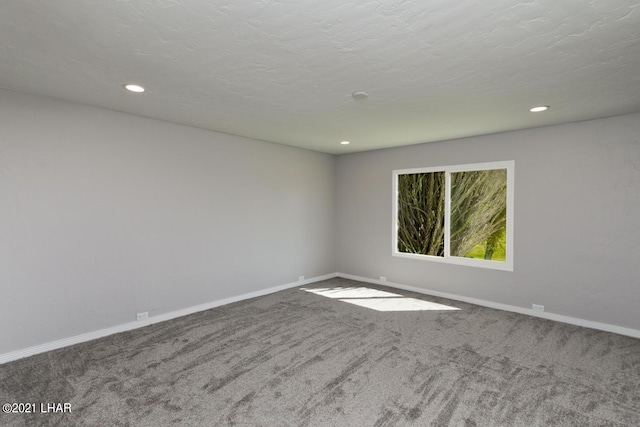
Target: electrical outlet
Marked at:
537, 307
383, 279
300, 278
142, 316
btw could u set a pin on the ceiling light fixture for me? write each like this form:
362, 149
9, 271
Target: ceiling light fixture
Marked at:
360, 95
344, 142
539, 108
134, 88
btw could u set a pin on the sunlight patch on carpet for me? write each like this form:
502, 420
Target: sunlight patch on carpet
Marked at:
340, 292
378, 300
398, 304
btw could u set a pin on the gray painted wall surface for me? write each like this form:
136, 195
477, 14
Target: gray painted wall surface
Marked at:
104, 215
577, 219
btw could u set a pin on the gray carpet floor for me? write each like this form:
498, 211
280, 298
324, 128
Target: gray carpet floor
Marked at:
295, 358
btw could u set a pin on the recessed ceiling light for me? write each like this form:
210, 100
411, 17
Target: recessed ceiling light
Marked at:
134, 88
539, 108
344, 142
360, 95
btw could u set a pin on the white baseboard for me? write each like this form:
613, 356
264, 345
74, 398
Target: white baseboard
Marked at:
65, 342
545, 315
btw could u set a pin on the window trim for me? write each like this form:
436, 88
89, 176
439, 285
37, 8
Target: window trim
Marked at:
506, 265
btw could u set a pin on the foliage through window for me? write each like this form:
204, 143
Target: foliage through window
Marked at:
459, 214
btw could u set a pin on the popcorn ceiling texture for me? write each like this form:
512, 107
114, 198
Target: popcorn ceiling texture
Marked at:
283, 71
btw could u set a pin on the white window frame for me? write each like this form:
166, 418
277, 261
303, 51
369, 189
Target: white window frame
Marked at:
506, 265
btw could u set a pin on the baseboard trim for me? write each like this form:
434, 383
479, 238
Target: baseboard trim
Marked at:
66, 342
77, 339
545, 315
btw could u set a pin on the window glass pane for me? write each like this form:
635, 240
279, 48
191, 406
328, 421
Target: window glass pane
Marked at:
421, 213
478, 214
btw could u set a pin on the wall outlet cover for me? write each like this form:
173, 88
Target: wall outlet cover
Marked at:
142, 316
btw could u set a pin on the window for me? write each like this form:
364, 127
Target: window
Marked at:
459, 214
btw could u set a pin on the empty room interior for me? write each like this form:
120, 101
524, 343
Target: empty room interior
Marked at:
304, 213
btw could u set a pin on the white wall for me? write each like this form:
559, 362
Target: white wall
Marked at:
577, 219
104, 215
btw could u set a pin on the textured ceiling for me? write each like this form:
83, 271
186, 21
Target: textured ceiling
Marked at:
283, 71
